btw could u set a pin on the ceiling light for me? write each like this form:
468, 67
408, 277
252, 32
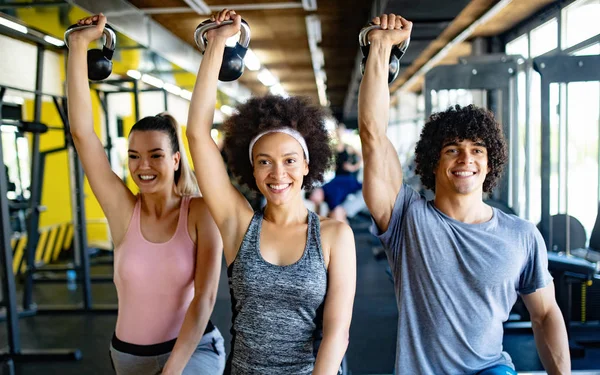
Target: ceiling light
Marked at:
134, 74
251, 60
227, 110
309, 4
173, 89
313, 29
277, 89
267, 78
53, 40
153, 81
13, 25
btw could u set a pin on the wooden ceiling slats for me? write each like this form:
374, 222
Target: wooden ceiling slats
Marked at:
279, 38
512, 14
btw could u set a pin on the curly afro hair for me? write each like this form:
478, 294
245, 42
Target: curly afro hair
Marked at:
458, 124
272, 112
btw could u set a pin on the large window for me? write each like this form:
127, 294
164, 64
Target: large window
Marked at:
580, 22
519, 46
574, 117
544, 38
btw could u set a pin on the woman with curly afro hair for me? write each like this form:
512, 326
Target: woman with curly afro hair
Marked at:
291, 273
458, 264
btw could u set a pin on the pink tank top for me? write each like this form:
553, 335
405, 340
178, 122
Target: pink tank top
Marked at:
155, 281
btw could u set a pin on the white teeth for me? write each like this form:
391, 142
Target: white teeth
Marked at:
464, 174
278, 187
147, 178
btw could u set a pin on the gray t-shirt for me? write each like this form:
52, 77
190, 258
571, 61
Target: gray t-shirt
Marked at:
456, 284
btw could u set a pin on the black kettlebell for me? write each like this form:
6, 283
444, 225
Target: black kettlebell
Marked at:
232, 67
99, 61
397, 52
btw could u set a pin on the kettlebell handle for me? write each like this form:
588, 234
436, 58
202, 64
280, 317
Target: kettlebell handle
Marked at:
204, 27
363, 39
109, 34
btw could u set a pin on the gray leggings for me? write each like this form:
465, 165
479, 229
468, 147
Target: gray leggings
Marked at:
209, 358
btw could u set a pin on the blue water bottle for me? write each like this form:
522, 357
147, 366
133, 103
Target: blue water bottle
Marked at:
71, 280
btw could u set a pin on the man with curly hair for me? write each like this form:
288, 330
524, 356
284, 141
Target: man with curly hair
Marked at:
458, 264
291, 273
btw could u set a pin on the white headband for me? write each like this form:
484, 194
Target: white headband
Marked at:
289, 131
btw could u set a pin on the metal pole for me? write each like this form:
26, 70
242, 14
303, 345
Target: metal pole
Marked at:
82, 259
9, 293
545, 158
165, 100
528, 143
503, 108
136, 100
565, 110
35, 186
514, 152
81, 230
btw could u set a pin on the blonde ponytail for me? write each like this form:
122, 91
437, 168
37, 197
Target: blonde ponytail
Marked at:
185, 180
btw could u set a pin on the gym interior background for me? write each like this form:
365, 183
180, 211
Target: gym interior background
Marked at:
535, 63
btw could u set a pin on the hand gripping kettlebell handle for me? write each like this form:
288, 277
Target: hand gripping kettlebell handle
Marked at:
109, 34
204, 27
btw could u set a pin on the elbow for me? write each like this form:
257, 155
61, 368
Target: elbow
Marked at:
191, 134
369, 133
345, 338
206, 301
539, 322
340, 337
76, 134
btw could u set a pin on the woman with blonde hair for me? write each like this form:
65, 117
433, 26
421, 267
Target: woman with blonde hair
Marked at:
167, 246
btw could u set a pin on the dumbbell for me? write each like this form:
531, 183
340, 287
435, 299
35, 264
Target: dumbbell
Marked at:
397, 52
99, 61
233, 57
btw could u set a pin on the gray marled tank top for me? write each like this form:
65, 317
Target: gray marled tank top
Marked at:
277, 310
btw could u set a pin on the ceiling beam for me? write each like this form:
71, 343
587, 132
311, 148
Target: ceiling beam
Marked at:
205, 9
34, 4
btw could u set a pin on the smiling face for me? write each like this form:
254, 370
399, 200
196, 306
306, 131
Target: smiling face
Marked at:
279, 167
152, 163
462, 168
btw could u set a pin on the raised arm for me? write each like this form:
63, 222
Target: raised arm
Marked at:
382, 170
229, 208
114, 197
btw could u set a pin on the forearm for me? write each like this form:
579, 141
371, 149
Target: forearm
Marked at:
331, 352
374, 96
190, 334
78, 91
204, 98
552, 343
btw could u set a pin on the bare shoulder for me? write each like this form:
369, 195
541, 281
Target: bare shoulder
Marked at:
197, 203
198, 208
334, 231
